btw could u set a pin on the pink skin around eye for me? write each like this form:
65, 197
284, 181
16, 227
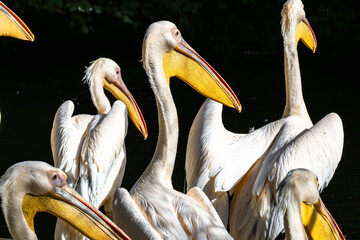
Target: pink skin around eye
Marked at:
57, 179
176, 34
118, 75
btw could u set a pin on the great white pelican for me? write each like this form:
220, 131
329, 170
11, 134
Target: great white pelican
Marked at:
217, 159
298, 144
156, 210
33, 186
299, 201
90, 149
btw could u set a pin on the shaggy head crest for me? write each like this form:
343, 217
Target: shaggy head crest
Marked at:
92, 69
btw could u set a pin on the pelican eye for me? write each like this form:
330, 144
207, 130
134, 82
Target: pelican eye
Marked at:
118, 73
176, 34
57, 179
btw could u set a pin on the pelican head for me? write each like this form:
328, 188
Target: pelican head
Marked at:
163, 45
293, 14
105, 73
12, 26
299, 189
30, 187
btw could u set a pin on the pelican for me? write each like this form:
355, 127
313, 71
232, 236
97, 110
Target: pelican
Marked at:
298, 198
12, 26
298, 144
33, 186
217, 159
91, 149
155, 209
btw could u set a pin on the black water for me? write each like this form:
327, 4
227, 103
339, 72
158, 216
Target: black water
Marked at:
37, 77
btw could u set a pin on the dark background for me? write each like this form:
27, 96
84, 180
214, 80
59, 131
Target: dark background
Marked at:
240, 39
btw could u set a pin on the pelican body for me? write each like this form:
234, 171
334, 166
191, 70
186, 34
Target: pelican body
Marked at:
32, 186
91, 149
298, 144
155, 209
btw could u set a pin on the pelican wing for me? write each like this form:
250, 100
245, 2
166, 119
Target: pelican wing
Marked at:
66, 139
248, 213
219, 156
240, 156
200, 197
103, 156
188, 216
173, 215
128, 216
204, 146
318, 149
196, 214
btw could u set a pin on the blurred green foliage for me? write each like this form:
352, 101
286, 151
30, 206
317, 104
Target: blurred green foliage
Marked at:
237, 24
81, 12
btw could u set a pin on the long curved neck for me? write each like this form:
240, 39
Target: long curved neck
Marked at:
294, 228
165, 153
12, 208
98, 97
295, 104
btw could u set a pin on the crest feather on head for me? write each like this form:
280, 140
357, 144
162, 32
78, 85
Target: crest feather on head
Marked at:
92, 69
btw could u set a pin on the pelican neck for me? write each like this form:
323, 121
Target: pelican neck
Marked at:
162, 164
294, 228
16, 221
295, 104
98, 97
